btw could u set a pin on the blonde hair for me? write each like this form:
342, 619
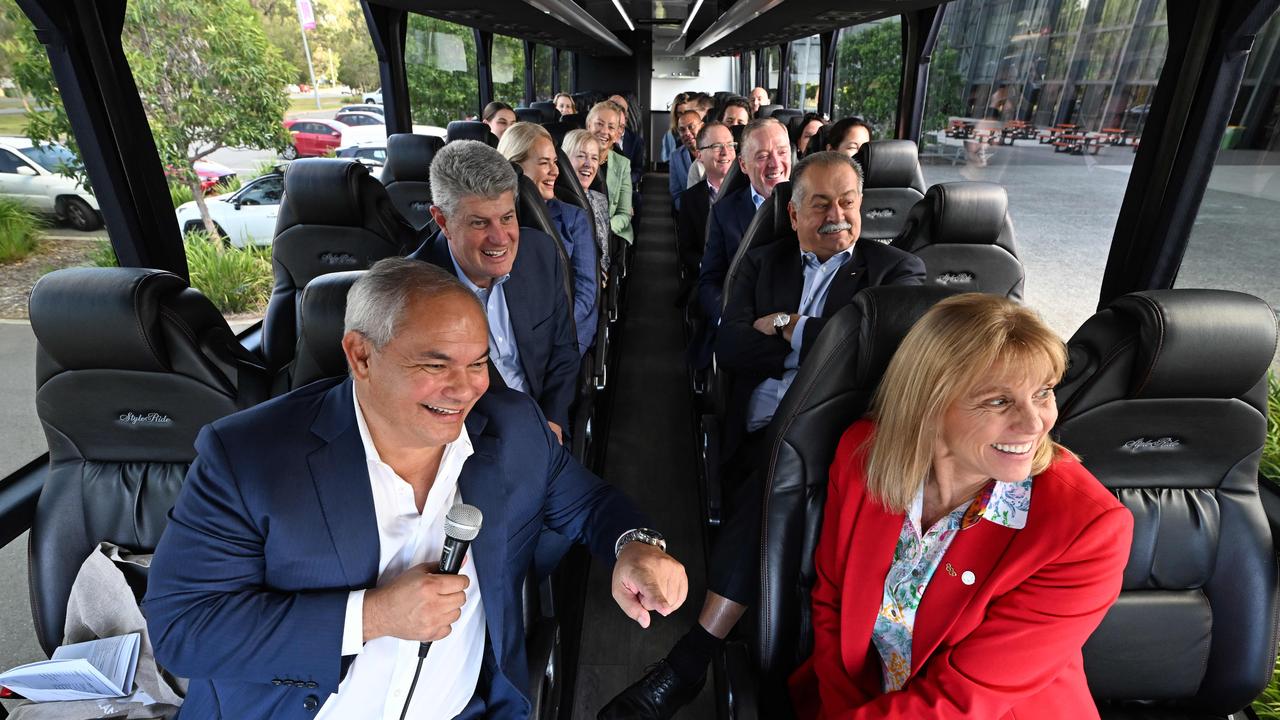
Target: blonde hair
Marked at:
518, 141
606, 106
946, 354
575, 139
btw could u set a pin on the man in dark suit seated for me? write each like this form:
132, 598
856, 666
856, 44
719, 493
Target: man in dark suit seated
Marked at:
765, 156
296, 572
515, 272
716, 154
778, 305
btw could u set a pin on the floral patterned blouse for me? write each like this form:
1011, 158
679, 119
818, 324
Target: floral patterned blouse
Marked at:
916, 557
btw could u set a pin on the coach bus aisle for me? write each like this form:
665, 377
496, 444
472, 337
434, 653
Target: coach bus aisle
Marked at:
651, 457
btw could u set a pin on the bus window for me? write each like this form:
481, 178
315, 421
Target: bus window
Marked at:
541, 72
806, 63
869, 73
1233, 242
508, 70
440, 61
772, 64
1048, 100
566, 69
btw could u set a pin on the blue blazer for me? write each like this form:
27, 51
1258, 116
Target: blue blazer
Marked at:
728, 220
574, 227
540, 318
275, 525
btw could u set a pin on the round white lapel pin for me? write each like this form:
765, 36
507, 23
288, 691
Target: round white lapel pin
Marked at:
968, 578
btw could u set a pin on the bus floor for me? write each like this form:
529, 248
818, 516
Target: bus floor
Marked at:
651, 457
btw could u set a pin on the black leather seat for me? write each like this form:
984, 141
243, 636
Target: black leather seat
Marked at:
832, 389
547, 108
533, 115
785, 115
767, 110
334, 216
892, 185
130, 364
1165, 401
470, 130
962, 232
407, 175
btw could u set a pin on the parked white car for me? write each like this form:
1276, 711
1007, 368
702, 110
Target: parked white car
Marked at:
374, 98
246, 216
32, 174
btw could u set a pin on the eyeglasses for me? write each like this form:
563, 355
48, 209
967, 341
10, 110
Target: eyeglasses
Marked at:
719, 147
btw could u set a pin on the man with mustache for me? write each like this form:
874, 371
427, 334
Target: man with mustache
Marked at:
780, 300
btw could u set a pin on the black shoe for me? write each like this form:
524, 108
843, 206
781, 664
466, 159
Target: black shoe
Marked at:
656, 696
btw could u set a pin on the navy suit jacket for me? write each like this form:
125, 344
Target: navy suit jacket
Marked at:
574, 227
691, 232
275, 525
727, 222
770, 280
540, 318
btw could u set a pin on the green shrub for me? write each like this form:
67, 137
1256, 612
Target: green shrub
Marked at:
226, 185
1268, 703
236, 280
19, 230
180, 193
103, 255
1270, 465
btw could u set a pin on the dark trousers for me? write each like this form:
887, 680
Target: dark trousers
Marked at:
734, 569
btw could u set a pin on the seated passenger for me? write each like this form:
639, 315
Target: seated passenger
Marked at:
564, 104
294, 578
683, 158
759, 97
583, 151
735, 113
531, 147
965, 557
765, 156
514, 271
848, 135
809, 126
498, 116
716, 154
605, 121
632, 144
671, 139
778, 306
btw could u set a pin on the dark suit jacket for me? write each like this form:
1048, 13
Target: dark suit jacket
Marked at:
540, 318
691, 233
727, 221
275, 525
770, 280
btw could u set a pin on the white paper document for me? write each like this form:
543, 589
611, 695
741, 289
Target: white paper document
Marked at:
84, 671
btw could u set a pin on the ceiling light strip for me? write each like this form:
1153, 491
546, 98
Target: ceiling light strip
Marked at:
693, 13
625, 18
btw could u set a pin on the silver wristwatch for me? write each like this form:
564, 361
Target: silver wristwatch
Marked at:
780, 321
644, 535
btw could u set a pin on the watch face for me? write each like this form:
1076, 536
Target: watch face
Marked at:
781, 320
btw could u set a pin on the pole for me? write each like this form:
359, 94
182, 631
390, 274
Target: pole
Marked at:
307, 19
307, 49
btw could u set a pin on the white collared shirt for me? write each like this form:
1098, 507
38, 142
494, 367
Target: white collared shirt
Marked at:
378, 680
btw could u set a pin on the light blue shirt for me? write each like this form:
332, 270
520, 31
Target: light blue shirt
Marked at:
681, 161
757, 198
813, 298
502, 339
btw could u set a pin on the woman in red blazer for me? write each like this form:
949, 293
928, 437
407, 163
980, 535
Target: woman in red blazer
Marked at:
965, 557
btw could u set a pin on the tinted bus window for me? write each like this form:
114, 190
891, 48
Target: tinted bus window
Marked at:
566, 65
1233, 243
869, 73
772, 62
1048, 99
541, 72
440, 60
806, 63
508, 70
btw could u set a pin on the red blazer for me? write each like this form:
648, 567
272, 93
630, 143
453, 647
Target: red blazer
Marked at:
1007, 646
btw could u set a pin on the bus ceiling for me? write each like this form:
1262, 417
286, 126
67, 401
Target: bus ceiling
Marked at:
559, 23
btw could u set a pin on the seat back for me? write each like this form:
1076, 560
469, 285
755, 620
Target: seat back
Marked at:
962, 232
832, 389
533, 115
407, 176
130, 364
470, 130
547, 108
785, 115
1165, 402
333, 217
768, 110
321, 313
892, 185
559, 129
770, 223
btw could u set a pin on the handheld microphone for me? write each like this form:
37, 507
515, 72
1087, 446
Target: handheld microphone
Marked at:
461, 526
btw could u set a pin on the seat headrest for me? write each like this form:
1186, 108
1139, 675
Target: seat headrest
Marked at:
320, 328
767, 110
1182, 336
891, 164
323, 191
558, 130
533, 115
578, 121
784, 115
104, 317
409, 157
568, 189
470, 130
973, 213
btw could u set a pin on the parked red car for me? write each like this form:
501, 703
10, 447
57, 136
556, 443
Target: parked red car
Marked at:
312, 138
